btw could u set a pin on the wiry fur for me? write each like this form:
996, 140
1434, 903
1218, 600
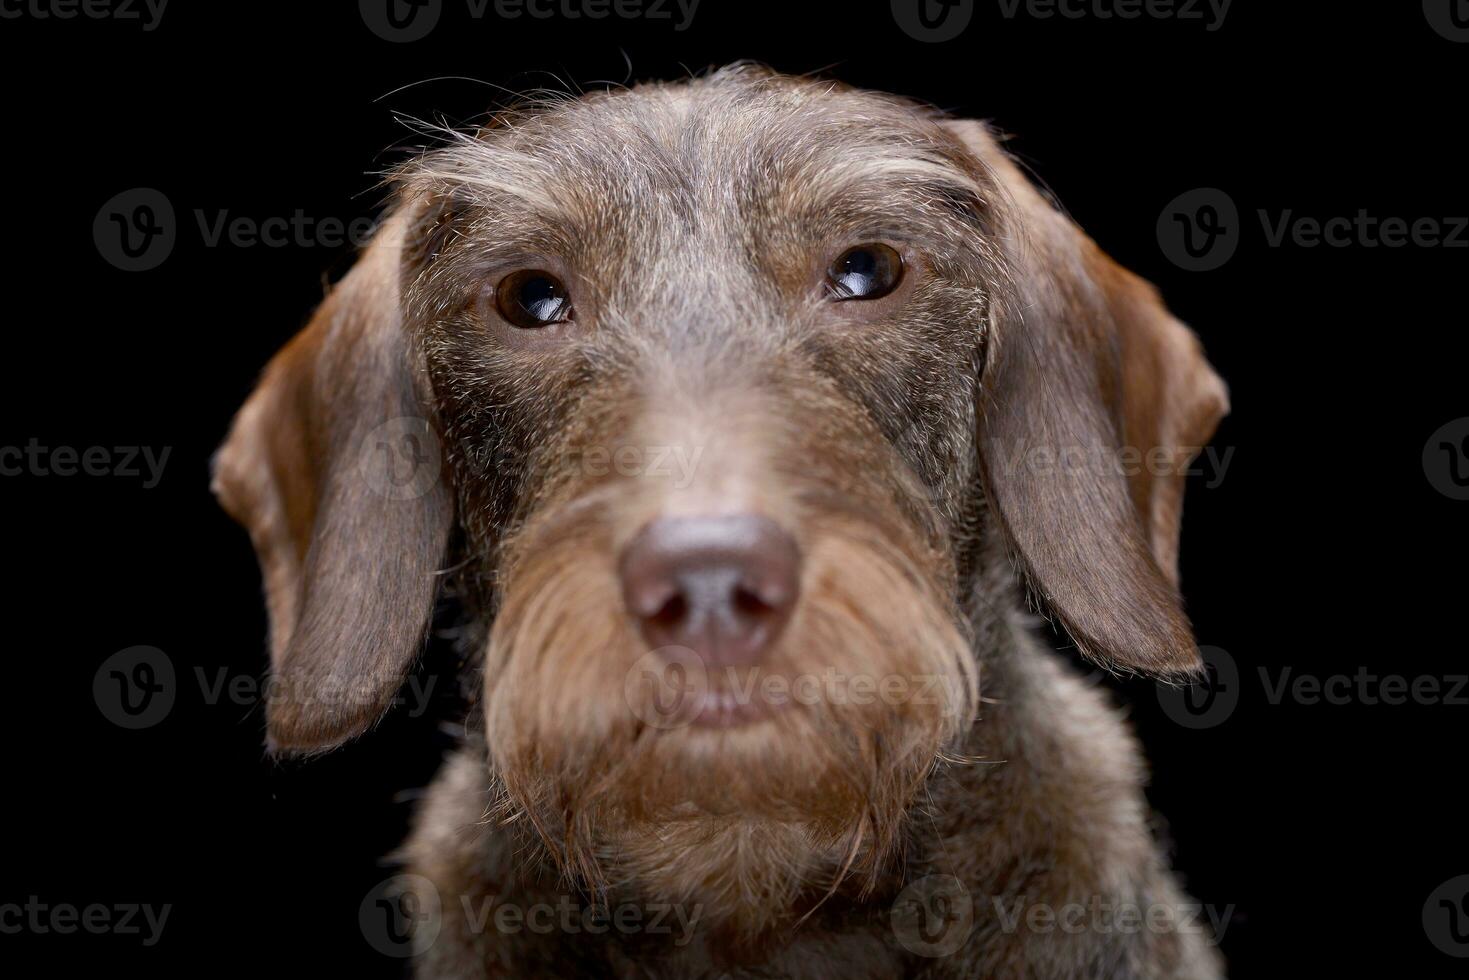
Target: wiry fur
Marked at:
692, 224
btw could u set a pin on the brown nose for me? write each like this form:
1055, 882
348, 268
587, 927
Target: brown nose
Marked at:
723, 587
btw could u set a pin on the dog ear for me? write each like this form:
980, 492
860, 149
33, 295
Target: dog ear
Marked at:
1093, 401
333, 467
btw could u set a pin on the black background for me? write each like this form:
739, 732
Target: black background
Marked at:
1324, 549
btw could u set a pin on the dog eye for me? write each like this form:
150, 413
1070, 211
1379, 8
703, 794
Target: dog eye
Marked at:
532, 298
865, 272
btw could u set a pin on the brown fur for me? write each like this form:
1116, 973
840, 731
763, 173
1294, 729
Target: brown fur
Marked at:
904, 442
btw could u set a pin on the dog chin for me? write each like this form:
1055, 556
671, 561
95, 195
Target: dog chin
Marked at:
783, 781
742, 876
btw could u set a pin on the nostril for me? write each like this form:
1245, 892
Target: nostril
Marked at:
747, 603
674, 611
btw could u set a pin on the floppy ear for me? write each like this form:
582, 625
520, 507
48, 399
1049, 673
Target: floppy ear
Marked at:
333, 467
1093, 401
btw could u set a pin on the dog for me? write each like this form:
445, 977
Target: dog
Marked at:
790, 688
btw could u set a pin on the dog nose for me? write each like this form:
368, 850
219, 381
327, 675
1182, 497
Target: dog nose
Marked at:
723, 586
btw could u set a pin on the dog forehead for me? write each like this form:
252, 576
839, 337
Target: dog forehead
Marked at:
732, 156
727, 129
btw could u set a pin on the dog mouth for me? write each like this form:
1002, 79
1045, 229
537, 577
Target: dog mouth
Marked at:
724, 709
676, 687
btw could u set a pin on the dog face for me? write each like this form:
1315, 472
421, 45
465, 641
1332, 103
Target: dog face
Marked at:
727, 385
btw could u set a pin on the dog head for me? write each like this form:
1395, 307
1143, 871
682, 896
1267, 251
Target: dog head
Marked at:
723, 385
